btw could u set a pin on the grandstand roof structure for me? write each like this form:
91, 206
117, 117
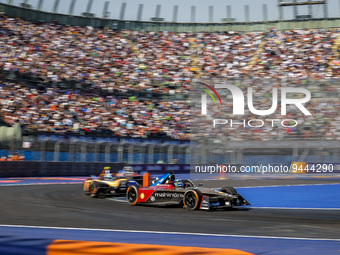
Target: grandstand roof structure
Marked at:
213, 11
27, 11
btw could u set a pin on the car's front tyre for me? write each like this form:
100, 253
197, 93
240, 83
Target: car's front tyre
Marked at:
192, 199
93, 189
132, 195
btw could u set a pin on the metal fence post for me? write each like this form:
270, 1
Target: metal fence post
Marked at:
97, 151
108, 152
142, 152
83, 151
43, 150
162, 153
188, 157
72, 150
56, 156
171, 153
121, 152
130, 153
151, 153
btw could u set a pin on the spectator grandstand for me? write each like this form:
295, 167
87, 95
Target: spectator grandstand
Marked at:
98, 68
52, 110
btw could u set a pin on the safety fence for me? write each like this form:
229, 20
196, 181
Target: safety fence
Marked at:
49, 169
152, 151
99, 151
63, 169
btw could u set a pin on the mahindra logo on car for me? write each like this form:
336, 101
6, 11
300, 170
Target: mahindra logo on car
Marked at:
168, 194
239, 100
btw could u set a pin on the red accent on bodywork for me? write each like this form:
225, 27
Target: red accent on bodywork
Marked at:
202, 201
148, 191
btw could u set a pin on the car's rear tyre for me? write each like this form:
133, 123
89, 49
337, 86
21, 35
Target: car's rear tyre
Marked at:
229, 190
192, 199
132, 195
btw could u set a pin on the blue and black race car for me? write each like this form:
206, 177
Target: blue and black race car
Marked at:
169, 190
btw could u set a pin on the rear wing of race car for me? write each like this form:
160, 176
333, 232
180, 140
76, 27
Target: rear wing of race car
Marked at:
132, 182
142, 179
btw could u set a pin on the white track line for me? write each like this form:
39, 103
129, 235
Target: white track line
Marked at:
254, 207
117, 200
172, 233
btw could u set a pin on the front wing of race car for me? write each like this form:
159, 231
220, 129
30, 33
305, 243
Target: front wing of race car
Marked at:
209, 202
105, 188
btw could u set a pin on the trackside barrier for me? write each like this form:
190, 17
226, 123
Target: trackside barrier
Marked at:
64, 169
46, 169
266, 168
22, 246
161, 168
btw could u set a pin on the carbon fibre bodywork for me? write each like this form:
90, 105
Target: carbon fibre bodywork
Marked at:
184, 193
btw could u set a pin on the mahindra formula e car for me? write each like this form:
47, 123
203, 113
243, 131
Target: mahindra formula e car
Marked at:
168, 190
108, 184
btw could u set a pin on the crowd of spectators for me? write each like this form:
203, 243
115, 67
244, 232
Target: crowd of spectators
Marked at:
157, 62
161, 61
297, 54
53, 110
102, 59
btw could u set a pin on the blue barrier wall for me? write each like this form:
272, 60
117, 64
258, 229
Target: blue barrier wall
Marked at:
45, 169
36, 169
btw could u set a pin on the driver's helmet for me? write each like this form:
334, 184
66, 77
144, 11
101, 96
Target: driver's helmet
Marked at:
170, 178
108, 177
178, 183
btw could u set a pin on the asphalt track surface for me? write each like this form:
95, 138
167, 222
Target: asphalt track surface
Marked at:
65, 205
